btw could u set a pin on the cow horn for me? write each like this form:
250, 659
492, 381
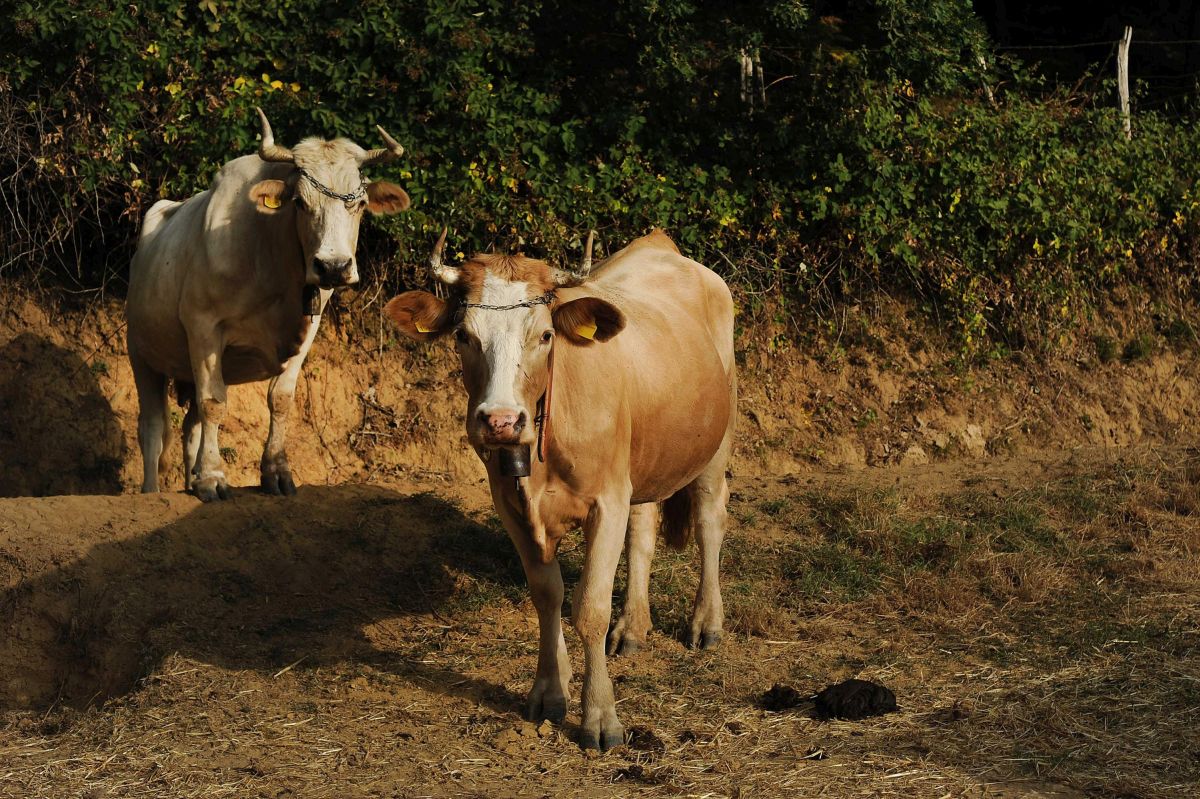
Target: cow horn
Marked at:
393, 150
587, 254
447, 274
268, 150
565, 277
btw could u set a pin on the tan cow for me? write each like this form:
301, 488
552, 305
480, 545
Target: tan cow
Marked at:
625, 384
228, 287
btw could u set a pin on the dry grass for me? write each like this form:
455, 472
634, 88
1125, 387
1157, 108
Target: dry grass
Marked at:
1042, 639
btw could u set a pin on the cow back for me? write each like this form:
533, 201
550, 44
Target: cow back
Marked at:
659, 396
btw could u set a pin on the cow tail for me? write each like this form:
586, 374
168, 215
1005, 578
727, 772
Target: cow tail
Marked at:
678, 518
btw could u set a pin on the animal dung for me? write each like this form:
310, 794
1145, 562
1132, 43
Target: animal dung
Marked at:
854, 699
851, 700
781, 697
644, 739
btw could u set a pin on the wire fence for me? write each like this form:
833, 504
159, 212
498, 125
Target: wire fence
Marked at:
1165, 81
1101, 43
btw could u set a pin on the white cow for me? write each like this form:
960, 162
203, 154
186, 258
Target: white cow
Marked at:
228, 287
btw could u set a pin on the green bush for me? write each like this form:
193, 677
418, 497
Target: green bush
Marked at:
1015, 219
877, 161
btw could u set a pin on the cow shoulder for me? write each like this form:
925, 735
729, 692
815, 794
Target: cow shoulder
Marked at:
231, 186
233, 229
655, 239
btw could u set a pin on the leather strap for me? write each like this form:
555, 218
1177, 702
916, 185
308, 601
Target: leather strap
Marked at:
544, 411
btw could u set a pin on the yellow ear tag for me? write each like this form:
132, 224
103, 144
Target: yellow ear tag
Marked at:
586, 330
422, 329
271, 202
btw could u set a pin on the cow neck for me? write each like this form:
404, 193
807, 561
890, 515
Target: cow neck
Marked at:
521, 486
280, 260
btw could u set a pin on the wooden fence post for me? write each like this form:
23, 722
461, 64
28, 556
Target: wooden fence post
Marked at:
750, 66
983, 64
746, 67
754, 90
1123, 77
758, 73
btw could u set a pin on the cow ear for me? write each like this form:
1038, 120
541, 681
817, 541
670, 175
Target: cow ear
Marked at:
269, 196
386, 198
420, 315
588, 319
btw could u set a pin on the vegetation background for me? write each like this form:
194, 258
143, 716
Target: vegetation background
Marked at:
875, 144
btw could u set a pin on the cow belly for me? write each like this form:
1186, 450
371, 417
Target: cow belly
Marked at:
167, 350
659, 478
261, 351
238, 365
248, 365
673, 452
161, 344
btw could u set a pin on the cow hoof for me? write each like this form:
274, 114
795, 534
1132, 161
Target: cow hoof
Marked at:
708, 639
210, 488
279, 484
623, 645
553, 709
603, 740
625, 637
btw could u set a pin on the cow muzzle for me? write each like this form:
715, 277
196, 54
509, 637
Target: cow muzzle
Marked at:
501, 426
334, 272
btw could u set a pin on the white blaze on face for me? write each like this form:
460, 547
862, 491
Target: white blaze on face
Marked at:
339, 228
328, 228
502, 336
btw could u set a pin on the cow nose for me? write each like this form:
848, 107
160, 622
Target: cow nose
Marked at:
503, 424
332, 271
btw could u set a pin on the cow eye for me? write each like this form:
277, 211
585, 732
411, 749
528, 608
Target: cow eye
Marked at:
462, 337
299, 201
547, 336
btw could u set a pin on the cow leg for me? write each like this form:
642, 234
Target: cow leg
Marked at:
548, 697
209, 482
191, 432
591, 610
709, 495
628, 635
275, 470
152, 419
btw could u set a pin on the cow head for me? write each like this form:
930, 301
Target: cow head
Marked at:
505, 315
327, 196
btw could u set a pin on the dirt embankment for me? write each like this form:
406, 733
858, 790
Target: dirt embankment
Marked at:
874, 389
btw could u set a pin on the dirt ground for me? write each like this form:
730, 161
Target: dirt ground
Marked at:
1023, 579
1037, 619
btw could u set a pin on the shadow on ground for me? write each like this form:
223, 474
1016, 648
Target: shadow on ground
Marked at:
58, 432
253, 583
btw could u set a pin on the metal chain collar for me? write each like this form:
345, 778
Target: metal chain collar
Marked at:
545, 299
328, 192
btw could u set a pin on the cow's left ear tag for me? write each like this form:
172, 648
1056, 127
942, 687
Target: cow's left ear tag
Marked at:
422, 329
586, 330
270, 201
